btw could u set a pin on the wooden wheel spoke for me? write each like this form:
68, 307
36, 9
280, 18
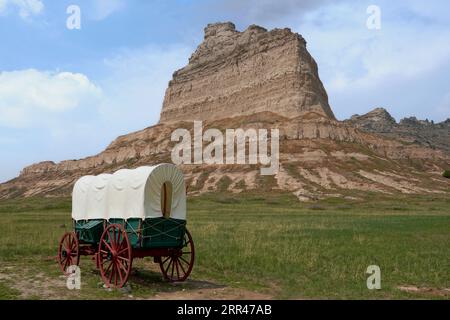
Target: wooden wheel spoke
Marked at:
123, 258
182, 268
179, 261
173, 266
74, 243
118, 267
187, 262
109, 267
120, 274
178, 270
65, 264
106, 234
115, 274
68, 243
122, 251
122, 266
104, 260
68, 263
110, 236
107, 245
122, 245
111, 274
165, 260
63, 261
168, 266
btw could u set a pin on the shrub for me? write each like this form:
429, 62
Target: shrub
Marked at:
446, 174
223, 183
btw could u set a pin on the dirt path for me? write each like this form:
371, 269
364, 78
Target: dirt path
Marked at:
36, 283
426, 291
214, 293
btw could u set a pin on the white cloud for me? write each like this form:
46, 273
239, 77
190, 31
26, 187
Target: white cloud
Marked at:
359, 57
101, 9
30, 96
25, 8
60, 116
128, 97
363, 68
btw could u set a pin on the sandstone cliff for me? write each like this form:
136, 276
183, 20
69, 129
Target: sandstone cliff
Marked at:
319, 157
236, 73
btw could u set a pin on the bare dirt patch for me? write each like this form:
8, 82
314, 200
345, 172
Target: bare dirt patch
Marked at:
206, 292
427, 291
32, 285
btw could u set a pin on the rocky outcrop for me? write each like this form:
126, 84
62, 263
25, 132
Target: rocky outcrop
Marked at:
265, 79
410, 130
377, 120
319, 157
236, 73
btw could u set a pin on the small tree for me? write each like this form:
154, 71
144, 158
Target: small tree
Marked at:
446, 174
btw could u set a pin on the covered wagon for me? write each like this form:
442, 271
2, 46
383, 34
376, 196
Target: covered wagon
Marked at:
130, 214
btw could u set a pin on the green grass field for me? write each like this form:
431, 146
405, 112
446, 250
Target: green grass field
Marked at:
272, 245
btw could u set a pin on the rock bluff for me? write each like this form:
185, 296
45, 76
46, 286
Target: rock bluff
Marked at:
236, 73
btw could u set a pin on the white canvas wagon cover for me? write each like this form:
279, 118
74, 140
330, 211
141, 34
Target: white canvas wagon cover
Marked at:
127, 193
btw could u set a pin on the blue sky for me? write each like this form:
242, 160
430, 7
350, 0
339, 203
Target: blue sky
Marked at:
66, 94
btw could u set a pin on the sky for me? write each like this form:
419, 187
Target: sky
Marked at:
67, 93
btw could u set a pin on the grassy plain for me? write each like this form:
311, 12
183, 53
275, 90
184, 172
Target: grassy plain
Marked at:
272, 245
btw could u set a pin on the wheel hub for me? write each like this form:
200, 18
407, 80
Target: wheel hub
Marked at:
178, 253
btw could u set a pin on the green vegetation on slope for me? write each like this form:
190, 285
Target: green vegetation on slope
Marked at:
446, 174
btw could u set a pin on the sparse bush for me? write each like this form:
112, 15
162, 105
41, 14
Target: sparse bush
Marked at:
223, 183
241, 185
446, 174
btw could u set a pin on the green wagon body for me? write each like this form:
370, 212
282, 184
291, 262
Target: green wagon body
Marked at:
148, 234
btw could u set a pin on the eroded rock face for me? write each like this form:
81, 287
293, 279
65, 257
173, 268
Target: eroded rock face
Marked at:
377, 120
236, 73
319, 157
411, 130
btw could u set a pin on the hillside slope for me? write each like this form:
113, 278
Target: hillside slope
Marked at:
319, 157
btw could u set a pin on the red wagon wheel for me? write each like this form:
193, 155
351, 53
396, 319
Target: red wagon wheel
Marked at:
178, 265
115, 256
68, 251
